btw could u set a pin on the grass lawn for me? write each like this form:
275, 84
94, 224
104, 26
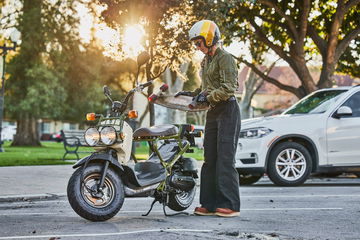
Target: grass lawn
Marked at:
51, 153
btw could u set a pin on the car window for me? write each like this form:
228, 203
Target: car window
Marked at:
317, 102
354, 103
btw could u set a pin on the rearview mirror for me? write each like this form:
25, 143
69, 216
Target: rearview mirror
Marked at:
142, 58
107, 90
343, 111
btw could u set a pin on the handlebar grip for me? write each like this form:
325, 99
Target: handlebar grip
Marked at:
144, 85
152, 98
164, 87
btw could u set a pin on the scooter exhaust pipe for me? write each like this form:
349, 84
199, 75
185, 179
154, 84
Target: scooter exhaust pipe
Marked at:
140, 192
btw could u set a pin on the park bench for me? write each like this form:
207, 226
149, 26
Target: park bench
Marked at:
73, 140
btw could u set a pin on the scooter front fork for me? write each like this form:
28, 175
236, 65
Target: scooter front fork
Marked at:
103, 175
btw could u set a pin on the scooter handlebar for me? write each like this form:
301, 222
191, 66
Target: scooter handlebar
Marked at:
144, 85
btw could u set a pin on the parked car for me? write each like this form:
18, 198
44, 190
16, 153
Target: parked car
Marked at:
318, 134
57, 137
8, 132
199, 141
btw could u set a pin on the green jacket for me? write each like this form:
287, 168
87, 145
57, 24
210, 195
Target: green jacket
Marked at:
219, 76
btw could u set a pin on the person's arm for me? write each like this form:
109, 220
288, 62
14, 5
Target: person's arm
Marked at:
189, 93
228, 80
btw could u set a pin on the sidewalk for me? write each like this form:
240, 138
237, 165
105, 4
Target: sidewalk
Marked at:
33, 182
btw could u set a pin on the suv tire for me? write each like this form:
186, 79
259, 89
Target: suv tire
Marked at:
289, 164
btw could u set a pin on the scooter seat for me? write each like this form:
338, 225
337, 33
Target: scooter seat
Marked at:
156, 131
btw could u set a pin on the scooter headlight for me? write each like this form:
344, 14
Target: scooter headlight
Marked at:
92, 136
108, 135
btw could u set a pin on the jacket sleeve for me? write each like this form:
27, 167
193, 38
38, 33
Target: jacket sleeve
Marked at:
228, 78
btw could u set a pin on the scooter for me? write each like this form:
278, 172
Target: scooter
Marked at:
102, 180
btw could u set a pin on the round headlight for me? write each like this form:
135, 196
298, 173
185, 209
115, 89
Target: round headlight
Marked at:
108, 135
92, 136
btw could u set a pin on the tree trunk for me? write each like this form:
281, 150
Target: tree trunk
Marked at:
31, 48
26, 131
327, 75
251, 85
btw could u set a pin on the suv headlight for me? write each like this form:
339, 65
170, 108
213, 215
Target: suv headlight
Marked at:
255, 132
108, 135
92, 136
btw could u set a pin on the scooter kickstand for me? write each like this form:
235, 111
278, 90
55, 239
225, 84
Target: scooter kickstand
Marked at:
151, 207
170, 215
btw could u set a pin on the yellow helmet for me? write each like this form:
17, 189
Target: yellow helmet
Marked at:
207, 30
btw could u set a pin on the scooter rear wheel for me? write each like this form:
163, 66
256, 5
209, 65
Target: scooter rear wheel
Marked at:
181, 201
99, 206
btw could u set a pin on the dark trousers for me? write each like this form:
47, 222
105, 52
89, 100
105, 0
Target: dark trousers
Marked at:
219, 187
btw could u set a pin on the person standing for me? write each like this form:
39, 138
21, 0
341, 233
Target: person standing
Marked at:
219, 186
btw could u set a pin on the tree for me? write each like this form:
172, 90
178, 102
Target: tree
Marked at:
166, 24
294, 30
42, 79
30, 78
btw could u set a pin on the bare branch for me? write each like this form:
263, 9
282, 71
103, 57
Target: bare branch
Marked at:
160, 72
334, 32
271, 80
278, 50
290, 22
304, 20
350, 4
343, 44
320, 43
283, 25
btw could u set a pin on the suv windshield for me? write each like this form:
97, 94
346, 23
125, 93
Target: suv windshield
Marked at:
317, 102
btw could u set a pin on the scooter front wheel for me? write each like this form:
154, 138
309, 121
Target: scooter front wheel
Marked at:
91, 203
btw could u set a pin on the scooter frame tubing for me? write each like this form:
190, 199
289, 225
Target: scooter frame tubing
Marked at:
167, 165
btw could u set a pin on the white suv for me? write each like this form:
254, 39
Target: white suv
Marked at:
319, 134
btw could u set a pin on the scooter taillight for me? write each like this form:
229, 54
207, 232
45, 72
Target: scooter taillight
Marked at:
152, 98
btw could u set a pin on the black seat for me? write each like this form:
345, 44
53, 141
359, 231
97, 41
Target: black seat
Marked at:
156, 131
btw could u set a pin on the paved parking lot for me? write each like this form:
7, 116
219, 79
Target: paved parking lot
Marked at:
320, 209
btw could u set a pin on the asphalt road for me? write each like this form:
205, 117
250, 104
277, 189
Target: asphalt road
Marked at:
320, 209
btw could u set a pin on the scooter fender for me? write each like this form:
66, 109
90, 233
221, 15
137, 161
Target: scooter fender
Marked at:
99, 156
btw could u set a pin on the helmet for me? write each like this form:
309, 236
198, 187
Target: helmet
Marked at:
207, 30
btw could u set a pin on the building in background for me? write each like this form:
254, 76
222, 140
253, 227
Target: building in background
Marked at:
270, 98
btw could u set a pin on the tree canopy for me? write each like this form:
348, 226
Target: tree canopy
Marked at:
166, 24
54, 75
295, 31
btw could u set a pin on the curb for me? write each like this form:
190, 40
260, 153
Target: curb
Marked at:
28, 198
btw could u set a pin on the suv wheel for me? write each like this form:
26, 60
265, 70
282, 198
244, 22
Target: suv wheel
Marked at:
289, 164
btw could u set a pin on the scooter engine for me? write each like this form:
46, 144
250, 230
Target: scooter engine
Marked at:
184, 183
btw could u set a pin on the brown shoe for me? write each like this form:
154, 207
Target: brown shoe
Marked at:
201, 211
226, 212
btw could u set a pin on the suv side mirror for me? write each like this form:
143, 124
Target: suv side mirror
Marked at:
343, 111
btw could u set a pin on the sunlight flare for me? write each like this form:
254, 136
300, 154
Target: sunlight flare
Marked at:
132, 40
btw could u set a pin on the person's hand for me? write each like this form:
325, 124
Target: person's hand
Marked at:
201, 98
184, 93
199, 101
